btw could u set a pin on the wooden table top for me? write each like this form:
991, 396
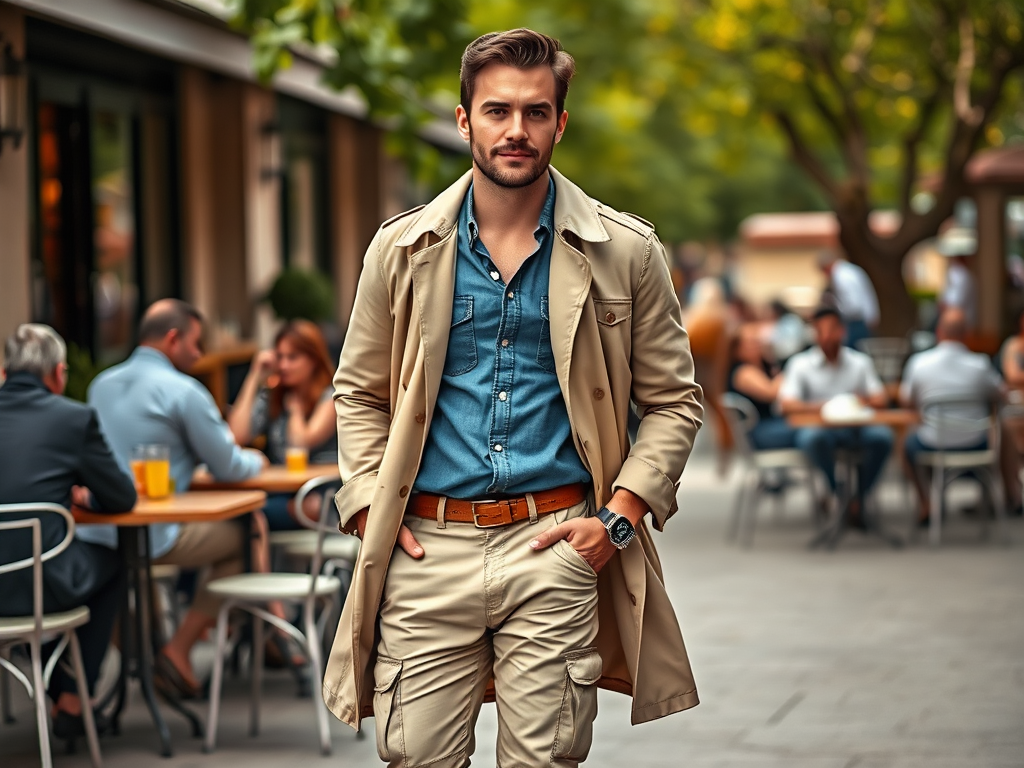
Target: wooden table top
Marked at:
188, 507
273, 479
898, 418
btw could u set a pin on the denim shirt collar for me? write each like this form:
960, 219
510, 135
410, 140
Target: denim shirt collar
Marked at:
467, 218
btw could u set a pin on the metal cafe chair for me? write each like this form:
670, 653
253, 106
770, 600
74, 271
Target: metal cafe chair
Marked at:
758, 467
252, 591
40, 626
949, 420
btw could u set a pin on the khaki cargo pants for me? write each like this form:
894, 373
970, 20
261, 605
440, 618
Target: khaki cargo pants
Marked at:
481, 601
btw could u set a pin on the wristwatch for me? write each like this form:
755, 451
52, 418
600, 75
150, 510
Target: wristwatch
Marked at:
620, 530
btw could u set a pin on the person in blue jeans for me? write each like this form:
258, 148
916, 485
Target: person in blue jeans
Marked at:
827, 370
758, 380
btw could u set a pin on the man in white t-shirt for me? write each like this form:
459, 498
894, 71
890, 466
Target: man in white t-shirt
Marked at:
948, 371
854, 296
828, 369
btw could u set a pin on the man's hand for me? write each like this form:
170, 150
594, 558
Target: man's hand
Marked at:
406, 540
587, 535
81, 497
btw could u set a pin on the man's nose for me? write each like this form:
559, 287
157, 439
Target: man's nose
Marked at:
517, 128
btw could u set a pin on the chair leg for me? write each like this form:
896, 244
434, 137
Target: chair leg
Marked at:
737, 508
257, 675
938, 481
218, 678
39, 697
317, 679
753, 506
5, 688
83, 696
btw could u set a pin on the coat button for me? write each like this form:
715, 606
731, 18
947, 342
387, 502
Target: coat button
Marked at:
420, 418
599, 394
632, 598
610, 317
403, 491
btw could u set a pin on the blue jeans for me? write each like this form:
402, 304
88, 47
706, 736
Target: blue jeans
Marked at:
276, 511
820, 444
772, 434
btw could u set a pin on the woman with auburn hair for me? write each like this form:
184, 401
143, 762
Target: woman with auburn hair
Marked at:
287, 398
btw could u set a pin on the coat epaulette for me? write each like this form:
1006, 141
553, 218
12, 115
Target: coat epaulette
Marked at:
631, 220
401, 215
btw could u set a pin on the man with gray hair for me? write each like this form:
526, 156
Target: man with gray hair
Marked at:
51, 446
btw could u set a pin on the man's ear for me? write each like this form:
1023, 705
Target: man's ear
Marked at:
562, 119
462, 122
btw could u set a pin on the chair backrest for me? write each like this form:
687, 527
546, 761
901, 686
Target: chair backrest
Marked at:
327, 486
951, 418
888, 355
35, 562
743, 417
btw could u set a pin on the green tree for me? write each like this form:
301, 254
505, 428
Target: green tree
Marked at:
871, 95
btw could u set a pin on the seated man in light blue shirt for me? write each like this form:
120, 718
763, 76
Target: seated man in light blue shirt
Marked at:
149, 399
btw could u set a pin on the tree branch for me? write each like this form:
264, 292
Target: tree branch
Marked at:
806, 159
910, 146
964, 69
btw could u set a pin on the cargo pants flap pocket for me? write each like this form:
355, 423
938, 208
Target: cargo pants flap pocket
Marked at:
387, 708
584, 667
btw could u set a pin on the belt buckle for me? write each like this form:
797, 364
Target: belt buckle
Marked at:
493, 521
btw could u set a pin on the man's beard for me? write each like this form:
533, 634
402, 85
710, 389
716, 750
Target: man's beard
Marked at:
533, 169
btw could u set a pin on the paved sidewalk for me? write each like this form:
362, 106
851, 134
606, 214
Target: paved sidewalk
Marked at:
865, 657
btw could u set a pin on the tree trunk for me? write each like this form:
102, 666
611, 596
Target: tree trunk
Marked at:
885, 268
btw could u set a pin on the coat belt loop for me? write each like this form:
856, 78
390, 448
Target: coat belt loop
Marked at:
440, 511
531, 505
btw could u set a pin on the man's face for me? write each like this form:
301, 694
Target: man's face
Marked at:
185, 349
829, 333
514, 128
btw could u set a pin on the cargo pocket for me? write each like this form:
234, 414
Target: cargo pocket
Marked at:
387, 709
575, 729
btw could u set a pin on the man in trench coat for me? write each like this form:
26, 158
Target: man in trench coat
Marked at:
498, 336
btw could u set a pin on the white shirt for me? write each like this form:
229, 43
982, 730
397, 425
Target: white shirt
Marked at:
950, 371
811, 378
854, 292
959, 292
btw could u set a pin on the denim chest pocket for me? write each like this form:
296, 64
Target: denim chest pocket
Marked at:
462, 353
545, 356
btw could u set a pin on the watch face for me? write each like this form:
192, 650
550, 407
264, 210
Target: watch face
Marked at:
621, 531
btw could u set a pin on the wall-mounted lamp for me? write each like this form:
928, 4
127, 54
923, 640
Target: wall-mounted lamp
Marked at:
270, 140
12, 97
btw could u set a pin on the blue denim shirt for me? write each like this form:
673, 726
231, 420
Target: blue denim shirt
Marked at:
500, 423
146, 400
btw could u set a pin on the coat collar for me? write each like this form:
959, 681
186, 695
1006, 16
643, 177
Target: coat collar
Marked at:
574, 211
23, 381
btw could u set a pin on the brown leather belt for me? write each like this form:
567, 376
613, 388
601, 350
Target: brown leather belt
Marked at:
490, 513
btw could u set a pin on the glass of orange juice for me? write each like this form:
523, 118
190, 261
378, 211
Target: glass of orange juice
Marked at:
296, 459
138, 464
158, 471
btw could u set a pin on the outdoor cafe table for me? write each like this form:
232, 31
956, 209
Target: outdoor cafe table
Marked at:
272, 479
133, 543
897, 419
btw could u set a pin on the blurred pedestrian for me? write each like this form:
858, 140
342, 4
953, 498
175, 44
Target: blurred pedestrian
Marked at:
52, 450
710, 325
482, 417
854, 296
758, 379
960, 292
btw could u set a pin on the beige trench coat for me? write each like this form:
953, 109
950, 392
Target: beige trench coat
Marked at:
615, 333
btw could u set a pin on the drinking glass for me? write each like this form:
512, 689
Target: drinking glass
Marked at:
158, 471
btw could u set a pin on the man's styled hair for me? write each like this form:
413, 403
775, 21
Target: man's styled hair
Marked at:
165, 316
520, 48
34, 348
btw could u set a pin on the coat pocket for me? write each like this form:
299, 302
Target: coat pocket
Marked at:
575, 729
461, 356
613, 312
387, 708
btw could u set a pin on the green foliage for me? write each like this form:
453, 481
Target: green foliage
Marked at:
81, 371
301, 294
